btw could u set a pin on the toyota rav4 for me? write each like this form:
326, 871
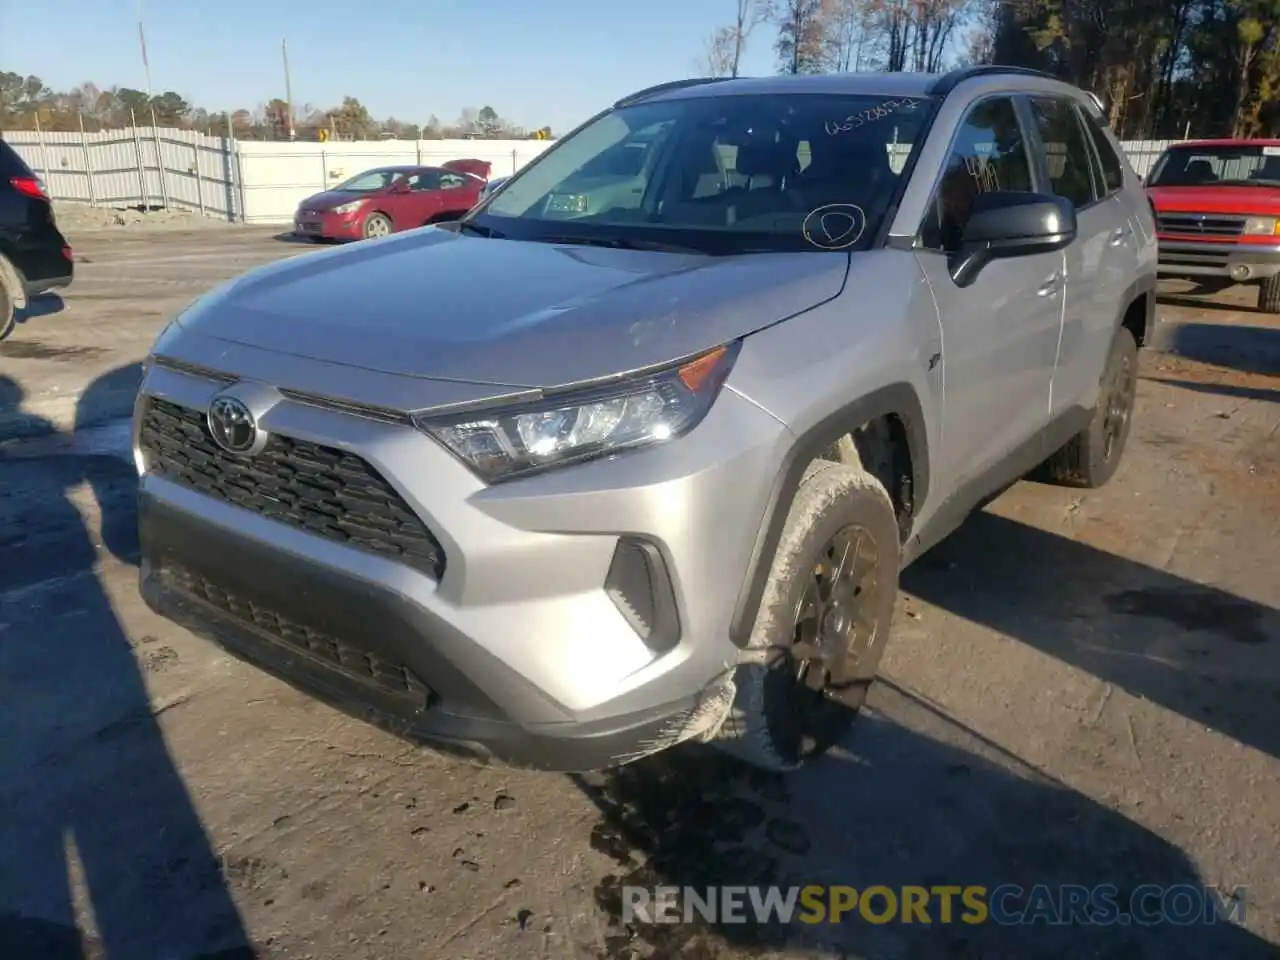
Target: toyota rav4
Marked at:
593, 471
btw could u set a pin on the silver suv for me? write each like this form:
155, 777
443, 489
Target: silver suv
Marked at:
633, 454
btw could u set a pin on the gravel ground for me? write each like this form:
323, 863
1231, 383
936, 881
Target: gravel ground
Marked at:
1082, 688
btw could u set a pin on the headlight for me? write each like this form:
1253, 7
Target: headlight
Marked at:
1262, 227
346, 208
585, 424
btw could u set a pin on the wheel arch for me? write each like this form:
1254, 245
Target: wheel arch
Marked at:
897, 401
1138, 309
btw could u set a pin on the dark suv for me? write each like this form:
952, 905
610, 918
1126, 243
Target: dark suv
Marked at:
34, 255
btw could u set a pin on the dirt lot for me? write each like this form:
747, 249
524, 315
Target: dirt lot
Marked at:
1082, 689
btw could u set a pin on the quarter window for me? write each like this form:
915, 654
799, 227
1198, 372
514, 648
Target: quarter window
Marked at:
988, 155
1066, 152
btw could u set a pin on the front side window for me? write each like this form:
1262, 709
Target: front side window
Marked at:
720, 175
1210, 164
988, 155
1066, 151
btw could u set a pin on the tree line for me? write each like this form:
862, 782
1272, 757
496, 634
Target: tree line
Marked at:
1165, 68
27, 103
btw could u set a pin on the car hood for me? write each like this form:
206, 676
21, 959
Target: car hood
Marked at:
1254, 201
330, 199
441, 305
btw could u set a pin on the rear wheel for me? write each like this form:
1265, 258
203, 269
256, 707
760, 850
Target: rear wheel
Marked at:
376, 225
1091, 457
823, 623
8, 313
1269, 295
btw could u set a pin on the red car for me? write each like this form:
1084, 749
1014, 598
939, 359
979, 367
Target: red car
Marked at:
388, 199
1217, 207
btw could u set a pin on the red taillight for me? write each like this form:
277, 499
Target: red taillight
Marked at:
29, 186
67, 255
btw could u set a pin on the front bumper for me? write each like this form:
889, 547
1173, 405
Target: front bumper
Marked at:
516, 652
328, 226
1242, 262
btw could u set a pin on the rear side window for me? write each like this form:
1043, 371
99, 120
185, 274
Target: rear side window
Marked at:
1112, 170
1066, 152
11, 165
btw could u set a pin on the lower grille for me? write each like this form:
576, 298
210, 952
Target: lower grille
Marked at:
322, 490
1196, 224
393, 678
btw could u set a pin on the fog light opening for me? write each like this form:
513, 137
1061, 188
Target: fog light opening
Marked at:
640, 587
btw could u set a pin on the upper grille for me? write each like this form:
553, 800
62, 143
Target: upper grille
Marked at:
324, 491
1196, 224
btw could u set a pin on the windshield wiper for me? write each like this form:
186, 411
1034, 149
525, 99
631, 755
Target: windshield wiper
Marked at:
479, 230
656, 246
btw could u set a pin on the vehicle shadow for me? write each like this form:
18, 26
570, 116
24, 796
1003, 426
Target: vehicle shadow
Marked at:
109, 470
95, 820
1109, 616
45, 305
290, 237
916, 800
1251, 349
1223, 389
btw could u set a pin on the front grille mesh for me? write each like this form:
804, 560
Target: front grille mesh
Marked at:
324, 491
1196, 225
393, 678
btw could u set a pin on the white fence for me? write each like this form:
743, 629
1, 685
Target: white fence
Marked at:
261, 182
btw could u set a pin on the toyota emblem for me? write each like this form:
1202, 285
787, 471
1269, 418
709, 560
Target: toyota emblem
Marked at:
232, 426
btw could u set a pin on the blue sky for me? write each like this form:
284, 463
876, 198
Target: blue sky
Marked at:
534, 61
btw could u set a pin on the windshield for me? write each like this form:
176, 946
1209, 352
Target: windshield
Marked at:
369, 181
1206, 165
718, 175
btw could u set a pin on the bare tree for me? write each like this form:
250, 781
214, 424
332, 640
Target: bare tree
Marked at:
751, 13
717, 58
853, 38
803, 43
723, 51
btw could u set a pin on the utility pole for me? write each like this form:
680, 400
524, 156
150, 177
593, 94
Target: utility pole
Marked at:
288, 86
142, 44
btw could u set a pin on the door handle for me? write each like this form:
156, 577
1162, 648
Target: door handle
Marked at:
1051, 286
1119, 236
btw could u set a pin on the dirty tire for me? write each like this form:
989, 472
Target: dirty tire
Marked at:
775, 722
1091, 457
1269, 295
8, 312
376, 225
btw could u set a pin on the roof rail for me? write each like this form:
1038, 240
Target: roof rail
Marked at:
949, 81
653, 91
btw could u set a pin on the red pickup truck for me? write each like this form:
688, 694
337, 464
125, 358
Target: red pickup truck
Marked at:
1217, 208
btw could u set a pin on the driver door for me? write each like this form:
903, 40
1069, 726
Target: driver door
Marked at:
420, 201
1000, 333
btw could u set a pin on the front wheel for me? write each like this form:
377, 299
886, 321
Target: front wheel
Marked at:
376, 225
1091, 457
1269, 295
823, 623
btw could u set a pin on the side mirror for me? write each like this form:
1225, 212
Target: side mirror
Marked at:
1011, 224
